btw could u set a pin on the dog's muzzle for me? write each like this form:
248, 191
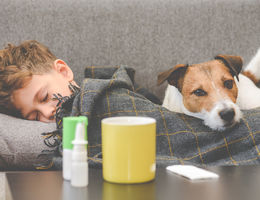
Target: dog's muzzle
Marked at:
224, 115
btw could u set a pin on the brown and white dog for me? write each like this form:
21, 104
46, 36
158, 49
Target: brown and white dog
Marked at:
213, 91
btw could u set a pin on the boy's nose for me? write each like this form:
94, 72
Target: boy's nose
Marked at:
47, 113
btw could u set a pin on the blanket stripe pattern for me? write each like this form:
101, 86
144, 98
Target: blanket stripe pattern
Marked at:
180, 139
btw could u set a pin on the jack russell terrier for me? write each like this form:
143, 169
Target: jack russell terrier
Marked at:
213, 91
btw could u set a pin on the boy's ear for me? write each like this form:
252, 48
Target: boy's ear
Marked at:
61, 67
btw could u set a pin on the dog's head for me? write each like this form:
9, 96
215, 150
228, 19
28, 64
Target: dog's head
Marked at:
208, 89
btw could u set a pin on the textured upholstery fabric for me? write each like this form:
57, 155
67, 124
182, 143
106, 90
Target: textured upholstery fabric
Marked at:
21, 142
148, 35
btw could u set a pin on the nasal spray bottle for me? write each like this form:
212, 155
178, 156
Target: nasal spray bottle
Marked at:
79, 166
69, 132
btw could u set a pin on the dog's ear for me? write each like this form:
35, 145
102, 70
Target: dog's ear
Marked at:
234, 63
174, 76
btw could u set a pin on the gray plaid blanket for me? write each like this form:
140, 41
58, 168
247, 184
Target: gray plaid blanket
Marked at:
181, 139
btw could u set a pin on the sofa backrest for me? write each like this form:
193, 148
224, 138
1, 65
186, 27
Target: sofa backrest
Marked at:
148, 35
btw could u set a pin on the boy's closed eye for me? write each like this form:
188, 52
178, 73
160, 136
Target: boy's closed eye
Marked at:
45, 98
42, 100
41, 97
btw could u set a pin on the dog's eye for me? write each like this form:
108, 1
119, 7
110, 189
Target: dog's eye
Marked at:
199, 92
228, 84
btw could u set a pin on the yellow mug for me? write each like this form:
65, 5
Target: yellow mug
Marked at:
129, 149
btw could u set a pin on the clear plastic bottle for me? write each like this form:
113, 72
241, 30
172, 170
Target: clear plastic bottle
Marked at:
79, 166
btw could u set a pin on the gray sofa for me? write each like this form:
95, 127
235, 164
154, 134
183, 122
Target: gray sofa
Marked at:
147, 35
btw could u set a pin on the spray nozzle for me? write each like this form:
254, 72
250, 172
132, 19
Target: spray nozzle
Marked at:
80, 134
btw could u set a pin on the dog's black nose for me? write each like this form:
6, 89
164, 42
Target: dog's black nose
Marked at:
227, 115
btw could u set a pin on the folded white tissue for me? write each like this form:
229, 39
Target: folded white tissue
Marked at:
192, 172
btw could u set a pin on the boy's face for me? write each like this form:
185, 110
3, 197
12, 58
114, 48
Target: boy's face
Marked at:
35, 100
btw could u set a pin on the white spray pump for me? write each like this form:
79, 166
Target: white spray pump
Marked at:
79, 167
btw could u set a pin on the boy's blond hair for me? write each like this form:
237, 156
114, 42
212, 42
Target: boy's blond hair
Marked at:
17, 65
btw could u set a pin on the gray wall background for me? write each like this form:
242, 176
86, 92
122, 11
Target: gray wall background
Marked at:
148, 35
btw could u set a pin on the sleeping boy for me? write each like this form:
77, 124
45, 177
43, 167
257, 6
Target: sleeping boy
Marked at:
31, 81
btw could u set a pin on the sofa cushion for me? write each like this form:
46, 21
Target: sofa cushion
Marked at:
21, 142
